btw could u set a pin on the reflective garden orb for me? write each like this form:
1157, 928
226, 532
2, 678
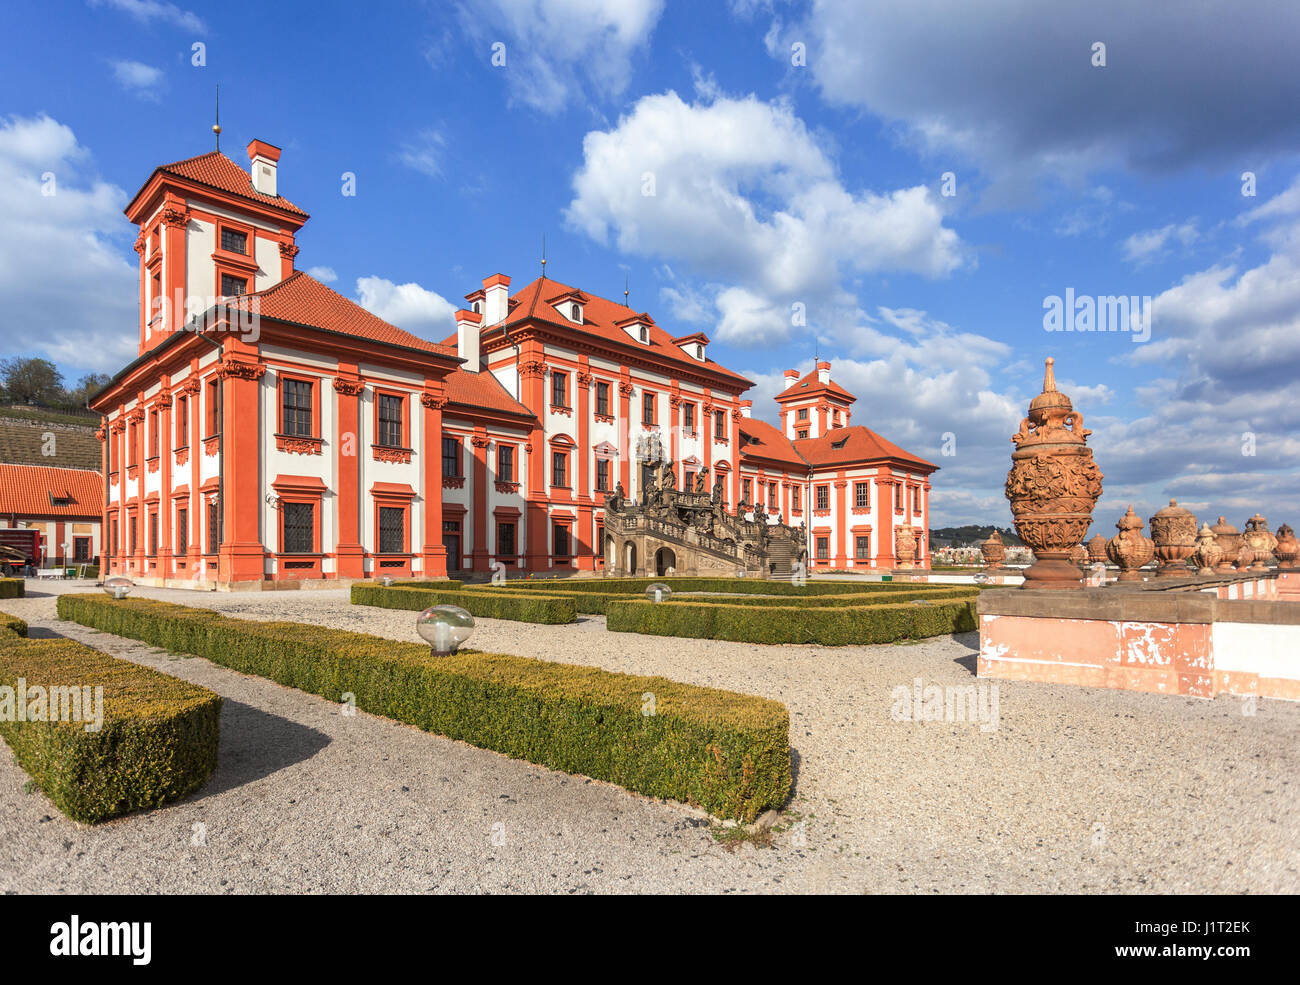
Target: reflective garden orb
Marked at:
118, 586
444, 628
658, 592
386, 581
981, 579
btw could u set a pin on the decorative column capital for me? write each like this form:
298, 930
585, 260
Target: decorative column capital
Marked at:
349, 388
432, 401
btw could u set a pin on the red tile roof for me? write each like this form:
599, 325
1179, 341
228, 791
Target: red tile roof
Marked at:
758, 439
217, 171
303, 300
26, 490
601, 318
856, 444
810, 386
485, 391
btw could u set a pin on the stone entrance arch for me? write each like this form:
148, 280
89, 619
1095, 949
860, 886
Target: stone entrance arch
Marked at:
665, 558
629, 558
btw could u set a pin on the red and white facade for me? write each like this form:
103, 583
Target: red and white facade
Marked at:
272, 430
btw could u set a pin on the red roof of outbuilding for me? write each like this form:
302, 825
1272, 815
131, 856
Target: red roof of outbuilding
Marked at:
217, 171
483, 390
27, 490
858, 443
758, 439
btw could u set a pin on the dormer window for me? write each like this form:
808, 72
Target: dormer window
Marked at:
645, 334
478, 307
575, 312
699, 350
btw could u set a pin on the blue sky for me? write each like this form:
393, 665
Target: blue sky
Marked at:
796, 153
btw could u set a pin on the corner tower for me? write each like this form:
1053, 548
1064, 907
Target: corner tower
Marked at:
813, 405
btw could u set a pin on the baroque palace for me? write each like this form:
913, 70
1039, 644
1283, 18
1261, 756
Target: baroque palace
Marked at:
271, 429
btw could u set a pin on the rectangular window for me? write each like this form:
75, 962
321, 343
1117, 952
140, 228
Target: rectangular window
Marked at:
647, 408
602, 475
898, 496
112, 538
214, 529
771, 495
505, 540
234, 242
561, 545
392, 530
153, 434
803, 413
823, 497
451, 457
602, 399
916, 499
182, 530
299, 528
794, 498
295, 396
505, 463
153, 534
559, 468
559, 389
182, 415
688, 480
389, 409
134, 531
214, 407
862, 547
719, 423
688, 416
81, 549
133, 444
803, 434
823, 548
232, 286
862, 494
746, 490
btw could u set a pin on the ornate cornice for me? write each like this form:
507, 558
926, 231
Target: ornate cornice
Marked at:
453, 482
297, 445
140, 243
288, 250
625, 388
384, 453
533, 369
507, 487
480, 441
175, 216
192, 385
163, 398
432, 402
234, 369
585, 380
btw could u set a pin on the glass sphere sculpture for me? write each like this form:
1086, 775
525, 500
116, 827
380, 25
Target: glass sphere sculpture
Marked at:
118, 586
658, 592
386, 581
981, 579
444, 628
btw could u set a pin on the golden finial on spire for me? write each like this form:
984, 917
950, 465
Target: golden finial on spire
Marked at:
543, 254
626, 281
216, 126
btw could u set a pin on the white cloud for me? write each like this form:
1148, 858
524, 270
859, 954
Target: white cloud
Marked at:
409, 306
139, 79
67, 288
149, 11
1152, 245
740, 196
558, 49
325, 275
424, 153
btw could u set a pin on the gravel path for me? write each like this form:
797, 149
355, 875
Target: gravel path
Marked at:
1076, 790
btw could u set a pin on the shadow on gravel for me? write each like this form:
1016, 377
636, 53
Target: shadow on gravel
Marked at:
255, 744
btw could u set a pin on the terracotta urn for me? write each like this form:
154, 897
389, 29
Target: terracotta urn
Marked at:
1129, 549
993, 551
1097, 549
1079, 556
1287, 550
1256, 536
1173, 530
1229, 538
904, 547
1245, 556
1053, 486
1207, 552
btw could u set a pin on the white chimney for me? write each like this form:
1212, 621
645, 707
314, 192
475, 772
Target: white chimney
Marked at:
747, 408
791, 378
823, 373
467, 328
496, 298
263, 161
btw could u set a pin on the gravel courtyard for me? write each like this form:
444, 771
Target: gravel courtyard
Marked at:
1076, 790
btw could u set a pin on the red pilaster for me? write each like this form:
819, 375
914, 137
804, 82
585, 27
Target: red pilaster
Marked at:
479, 441
166, 507
532, 372
434, 554
242, 555
585, 549
349, 554
841, 520
625, 431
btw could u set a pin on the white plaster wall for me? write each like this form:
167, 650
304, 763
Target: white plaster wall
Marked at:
1257, 648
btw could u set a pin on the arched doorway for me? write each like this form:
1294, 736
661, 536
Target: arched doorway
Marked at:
629, 558
611, 554
664, 559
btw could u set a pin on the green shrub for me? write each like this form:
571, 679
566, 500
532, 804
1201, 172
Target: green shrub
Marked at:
828, 626
157, 741
441, 584
740, 586
11, 624
12, 588
521, 607
727, 752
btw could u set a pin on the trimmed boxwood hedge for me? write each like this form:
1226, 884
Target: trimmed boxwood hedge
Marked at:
12, 588
828, 626
158, 741
441, 584
522, 607
749, 586
726, 752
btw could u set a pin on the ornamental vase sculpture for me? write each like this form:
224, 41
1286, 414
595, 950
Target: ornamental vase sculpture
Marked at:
1079, 556
1129, 549
904, 547
1053, 486
1173, 530
1097, 549
993, 551
1287, 550
1229, 538
1208, 552
1256, 536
